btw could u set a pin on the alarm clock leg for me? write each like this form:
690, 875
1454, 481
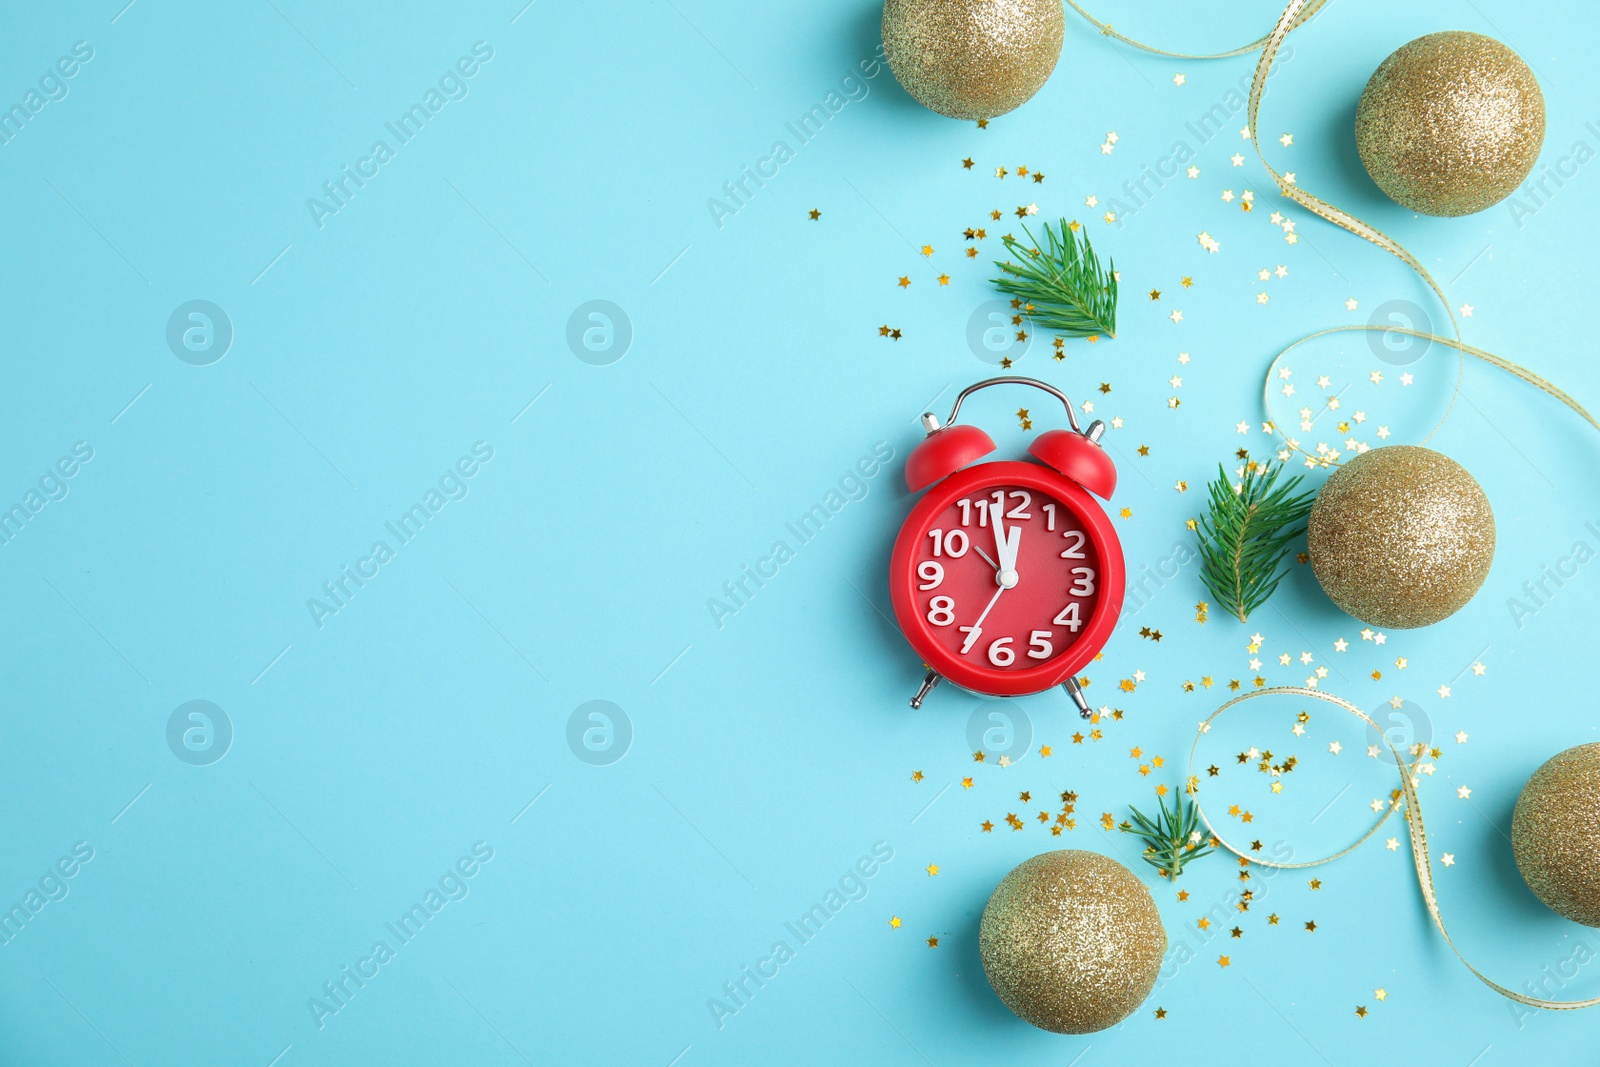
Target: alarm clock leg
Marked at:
930, 680
1071, 686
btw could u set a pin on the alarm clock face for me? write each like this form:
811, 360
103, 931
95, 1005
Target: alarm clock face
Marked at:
1007, 578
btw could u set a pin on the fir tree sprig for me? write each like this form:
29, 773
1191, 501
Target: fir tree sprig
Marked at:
1246, 535
1172, 839
1061, 282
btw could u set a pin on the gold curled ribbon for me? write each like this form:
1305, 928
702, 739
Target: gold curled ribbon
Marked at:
1303, 16
1419, 835
1295, 15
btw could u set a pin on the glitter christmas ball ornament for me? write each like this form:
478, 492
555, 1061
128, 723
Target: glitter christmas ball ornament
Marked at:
972, 59
1071, 941
1555, 834
1401, 537
1450, 123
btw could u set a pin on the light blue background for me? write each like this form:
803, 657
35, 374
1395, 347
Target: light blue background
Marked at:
769, 753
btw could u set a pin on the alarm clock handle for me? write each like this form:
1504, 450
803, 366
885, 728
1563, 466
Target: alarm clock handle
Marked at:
1009, 379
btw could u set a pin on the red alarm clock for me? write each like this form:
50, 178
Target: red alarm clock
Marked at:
1007, 577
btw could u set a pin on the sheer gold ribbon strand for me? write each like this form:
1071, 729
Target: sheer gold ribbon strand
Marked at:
1296, 14
1419, 835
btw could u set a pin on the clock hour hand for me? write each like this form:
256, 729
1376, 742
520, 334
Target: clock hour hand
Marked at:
1006, 544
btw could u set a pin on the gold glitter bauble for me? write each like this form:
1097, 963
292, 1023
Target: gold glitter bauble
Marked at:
1401, 537
1555, 834
1071, 941
1450, 123
972, 59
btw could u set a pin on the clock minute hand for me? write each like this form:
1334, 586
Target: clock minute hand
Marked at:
1006, 544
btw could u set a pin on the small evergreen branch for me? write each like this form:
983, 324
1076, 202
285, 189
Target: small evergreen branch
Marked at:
1172, 839
1061, 282
1246, 536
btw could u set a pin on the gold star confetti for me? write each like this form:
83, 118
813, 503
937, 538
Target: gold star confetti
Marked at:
1361, 1012
966, 164
905, 282
933, 942
933, 869
815, 214
916, 776
1381, 994
894, 921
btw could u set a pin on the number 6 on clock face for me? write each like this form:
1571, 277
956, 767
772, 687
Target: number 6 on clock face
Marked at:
1007, 578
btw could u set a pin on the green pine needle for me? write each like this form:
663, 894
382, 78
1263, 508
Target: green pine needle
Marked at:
1244, 539
1061, 282
1173, 838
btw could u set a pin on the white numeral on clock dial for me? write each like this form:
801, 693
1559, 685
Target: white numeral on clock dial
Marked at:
1075, 548
973, 633
942, 610
1039, 644
1068, 617
931, 574
952, 544
1000, 653
1084, 586
1050, 517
